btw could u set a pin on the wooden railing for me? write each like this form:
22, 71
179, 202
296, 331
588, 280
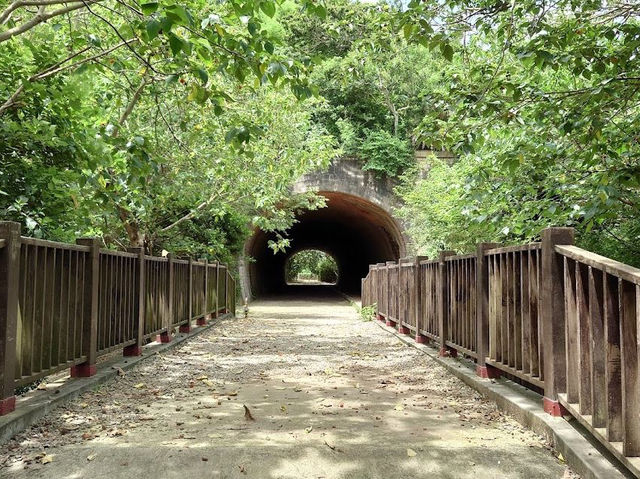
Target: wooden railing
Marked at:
64, 305
550, 315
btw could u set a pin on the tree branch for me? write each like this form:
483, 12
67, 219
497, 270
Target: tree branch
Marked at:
41, 17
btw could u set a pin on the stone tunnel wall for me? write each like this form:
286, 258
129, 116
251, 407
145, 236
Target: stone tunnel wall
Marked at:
357, 228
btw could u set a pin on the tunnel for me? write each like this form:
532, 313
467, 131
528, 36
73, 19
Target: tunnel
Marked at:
351, 229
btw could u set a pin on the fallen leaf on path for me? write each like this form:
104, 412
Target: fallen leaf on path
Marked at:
247, 414
308, 429
91, 457
399, 407
42, 386
139, 386
411, 453
46, 459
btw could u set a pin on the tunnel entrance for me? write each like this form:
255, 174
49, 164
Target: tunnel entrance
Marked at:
311, 267
351, 229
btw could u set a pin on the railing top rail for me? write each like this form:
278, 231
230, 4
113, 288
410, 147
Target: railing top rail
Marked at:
429, 261
513, 249
602, 263
180, 261
158, 259
54, 244
460, 257
122, 254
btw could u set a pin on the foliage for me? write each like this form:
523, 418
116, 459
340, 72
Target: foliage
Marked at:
368, 312
542, 110
152, 124
311, 264
375, 85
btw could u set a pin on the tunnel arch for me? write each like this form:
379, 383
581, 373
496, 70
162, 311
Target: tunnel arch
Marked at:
357, 228
351, 229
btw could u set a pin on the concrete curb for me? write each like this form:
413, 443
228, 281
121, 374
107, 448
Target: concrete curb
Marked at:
583, 454
36, 404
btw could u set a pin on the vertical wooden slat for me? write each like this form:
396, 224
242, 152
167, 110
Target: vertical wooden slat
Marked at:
9, 282
613, 367
584, 339
552, 317
89, 308
597, 369
526, 311
629, 304
517, 311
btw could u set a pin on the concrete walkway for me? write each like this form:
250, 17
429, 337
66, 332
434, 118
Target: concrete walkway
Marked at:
330, 397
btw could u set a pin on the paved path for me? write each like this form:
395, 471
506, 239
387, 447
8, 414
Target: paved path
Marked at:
331, 397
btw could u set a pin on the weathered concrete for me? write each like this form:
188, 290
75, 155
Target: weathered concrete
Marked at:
583, 454
330, 396
357, 228
61, 388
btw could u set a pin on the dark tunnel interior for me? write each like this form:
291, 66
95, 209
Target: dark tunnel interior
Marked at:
354, 231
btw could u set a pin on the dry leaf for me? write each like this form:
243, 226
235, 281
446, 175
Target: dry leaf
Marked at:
283, 408
411, 453
46, 459
91, 457
42, 387
399, 407
247, 414
139, 386
208, 382
308, 429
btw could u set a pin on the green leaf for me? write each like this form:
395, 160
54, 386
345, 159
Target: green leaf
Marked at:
203, 75
149, 8
447, 51
175, 43
269, 8
179, 15
153, 28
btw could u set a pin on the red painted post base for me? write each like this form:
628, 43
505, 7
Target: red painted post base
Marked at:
201, 321
448, 352
379, 317
184, 328
83, 370
488, 372
554, 407
421, 339
391, 323
7, 405
403, 330
133, 350
164, 338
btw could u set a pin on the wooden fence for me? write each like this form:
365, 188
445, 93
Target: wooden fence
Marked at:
64, 305
557, 318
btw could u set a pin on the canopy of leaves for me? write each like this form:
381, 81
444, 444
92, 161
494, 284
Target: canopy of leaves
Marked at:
541, 106
311, 265
174, 126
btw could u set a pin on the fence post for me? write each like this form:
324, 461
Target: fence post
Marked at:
170, 291
442, 297
417, 284
9, 280
203, 320
136, 348
389, 321
90, 310
379, 268
214, 314
553, 317
482, 312
227, 306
